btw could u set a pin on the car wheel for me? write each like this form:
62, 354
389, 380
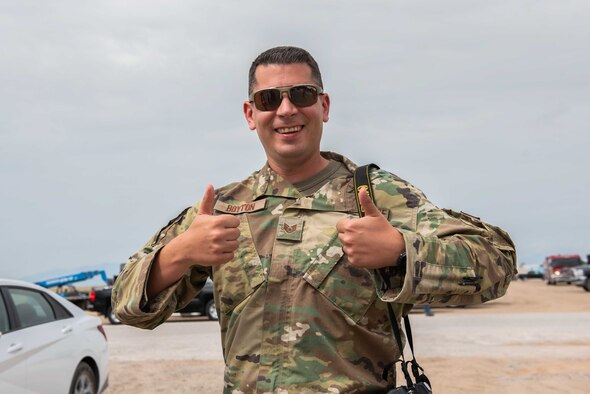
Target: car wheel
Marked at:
84, 381
211, 311
587, 284
113, 319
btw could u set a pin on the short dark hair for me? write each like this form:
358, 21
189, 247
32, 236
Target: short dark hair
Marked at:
284, 55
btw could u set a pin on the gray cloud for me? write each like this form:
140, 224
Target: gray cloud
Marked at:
114, 116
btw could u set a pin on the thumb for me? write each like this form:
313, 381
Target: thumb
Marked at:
367, 204
208, 201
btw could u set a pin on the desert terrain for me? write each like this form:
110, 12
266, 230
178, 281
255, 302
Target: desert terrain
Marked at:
536, 339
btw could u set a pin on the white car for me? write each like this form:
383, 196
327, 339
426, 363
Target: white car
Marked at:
47, 344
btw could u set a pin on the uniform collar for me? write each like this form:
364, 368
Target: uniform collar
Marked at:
268, 183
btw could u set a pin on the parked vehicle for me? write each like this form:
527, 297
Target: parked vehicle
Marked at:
63, 286
554, 268
531, 274
582, 276
47, 344
203, 303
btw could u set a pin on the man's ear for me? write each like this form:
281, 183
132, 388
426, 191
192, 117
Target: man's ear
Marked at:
249, 115
325, 106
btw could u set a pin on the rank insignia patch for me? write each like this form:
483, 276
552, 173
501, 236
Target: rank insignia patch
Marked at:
290, 228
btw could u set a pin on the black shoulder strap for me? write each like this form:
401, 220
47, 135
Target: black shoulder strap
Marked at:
362, 179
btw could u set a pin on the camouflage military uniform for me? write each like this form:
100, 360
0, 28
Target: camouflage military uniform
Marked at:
295, 316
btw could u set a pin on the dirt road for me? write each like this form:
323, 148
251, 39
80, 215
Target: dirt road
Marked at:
534, 340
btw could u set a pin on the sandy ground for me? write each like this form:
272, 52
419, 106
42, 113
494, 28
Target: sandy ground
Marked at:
453, 373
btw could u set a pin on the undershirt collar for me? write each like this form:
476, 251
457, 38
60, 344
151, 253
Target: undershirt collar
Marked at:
333, 170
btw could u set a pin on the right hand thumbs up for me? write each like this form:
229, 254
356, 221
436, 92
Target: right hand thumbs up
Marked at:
208, 201
210, 239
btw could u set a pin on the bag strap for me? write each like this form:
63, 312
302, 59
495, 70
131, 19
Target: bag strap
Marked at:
398, 339
417, 370
362, 179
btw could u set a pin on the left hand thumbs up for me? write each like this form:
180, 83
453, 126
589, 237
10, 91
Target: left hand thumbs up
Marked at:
368, 205
371, 241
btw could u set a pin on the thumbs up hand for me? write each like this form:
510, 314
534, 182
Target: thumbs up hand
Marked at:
208, 201
370, 242
210, 240
368, 205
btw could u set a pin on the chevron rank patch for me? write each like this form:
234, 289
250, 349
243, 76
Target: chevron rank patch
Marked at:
290, 228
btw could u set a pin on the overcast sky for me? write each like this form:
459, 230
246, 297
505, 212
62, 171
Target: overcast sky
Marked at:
114, 115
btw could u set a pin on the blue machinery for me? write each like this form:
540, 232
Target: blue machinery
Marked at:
69, 279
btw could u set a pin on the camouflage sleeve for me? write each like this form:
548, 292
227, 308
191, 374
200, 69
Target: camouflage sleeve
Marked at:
129, 297
452, 258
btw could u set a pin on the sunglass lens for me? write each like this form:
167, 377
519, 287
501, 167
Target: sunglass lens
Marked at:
267, 100
303, 96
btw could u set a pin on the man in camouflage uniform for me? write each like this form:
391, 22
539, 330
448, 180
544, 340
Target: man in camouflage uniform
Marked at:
300, 305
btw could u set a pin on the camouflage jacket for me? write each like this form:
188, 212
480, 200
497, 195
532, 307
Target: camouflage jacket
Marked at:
295, 316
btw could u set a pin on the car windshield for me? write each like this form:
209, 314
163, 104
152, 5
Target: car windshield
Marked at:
565, 262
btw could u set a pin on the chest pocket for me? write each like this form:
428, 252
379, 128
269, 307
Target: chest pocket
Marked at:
349, 288
234, 281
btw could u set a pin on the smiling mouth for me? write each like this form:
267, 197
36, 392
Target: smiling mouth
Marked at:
289, 130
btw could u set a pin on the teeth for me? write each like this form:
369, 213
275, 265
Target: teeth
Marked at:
288, 130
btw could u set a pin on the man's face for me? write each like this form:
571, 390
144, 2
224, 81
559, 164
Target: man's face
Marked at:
290, 135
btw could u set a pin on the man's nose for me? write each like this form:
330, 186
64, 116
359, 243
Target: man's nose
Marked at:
287, 108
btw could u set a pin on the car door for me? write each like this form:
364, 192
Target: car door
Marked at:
12, 363
44, 335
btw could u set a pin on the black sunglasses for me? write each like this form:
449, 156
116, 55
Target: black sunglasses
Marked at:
271, 98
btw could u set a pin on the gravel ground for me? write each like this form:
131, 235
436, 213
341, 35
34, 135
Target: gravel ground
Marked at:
534, 340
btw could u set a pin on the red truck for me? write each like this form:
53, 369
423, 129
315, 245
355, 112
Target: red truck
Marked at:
558, 268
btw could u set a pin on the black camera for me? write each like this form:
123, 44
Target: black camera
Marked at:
418, 388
